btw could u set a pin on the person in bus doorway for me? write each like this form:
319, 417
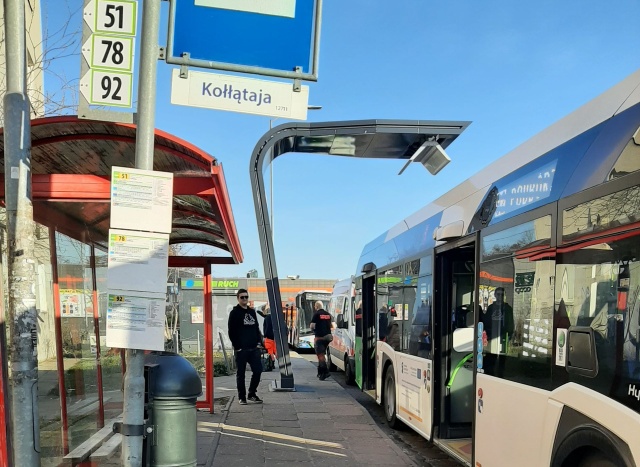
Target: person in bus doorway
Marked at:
245, 336
321, 326
498, 324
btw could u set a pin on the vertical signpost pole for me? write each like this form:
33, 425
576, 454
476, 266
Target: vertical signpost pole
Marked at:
22, 300
133, 413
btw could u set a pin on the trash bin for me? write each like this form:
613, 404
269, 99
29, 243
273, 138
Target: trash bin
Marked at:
172, 386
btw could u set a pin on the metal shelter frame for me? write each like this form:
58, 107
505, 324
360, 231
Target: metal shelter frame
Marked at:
375, 139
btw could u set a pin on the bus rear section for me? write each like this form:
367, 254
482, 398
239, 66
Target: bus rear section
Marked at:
341, 351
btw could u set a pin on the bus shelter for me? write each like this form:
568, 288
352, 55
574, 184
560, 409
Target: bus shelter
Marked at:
79, 377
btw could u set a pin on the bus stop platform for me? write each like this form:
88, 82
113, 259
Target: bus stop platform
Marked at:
318, 424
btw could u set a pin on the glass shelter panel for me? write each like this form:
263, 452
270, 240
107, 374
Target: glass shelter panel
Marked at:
186, 333
48, 391
110, 358
78, 332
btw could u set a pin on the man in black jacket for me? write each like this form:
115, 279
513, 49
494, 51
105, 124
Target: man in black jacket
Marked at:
245, 336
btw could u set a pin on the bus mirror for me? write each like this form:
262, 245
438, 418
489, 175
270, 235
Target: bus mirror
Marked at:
340, 321
581, 351
463, 340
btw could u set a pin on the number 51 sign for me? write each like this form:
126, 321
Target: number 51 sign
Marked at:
109, 52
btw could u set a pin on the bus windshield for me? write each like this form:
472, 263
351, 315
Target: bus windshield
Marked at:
304, 304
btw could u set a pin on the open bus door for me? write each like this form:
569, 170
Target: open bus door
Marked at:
365, 335
455, 309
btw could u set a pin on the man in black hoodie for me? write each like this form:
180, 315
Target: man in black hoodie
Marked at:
245, 336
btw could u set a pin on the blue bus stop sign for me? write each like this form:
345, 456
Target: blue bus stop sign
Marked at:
273, 38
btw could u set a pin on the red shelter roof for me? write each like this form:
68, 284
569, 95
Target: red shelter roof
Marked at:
71, 164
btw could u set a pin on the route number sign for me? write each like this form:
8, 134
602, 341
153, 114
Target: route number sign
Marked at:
108, 88
109, 52
116, 17
112, 53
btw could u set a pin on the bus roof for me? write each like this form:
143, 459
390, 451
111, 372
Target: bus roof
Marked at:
567, 157
342, 287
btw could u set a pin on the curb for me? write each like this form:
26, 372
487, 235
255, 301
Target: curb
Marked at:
216, 439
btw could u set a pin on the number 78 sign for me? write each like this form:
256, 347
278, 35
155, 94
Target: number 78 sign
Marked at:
109, 52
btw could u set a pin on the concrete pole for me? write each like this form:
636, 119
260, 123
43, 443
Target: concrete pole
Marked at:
23, 385
133, 413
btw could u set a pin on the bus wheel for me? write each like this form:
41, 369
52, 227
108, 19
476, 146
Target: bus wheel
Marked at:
597, 459
330, 364
348, 373
588, 447
390, 398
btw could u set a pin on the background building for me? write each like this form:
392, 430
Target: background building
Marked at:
190, 305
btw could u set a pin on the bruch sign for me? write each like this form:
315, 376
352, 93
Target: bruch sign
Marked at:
267, 37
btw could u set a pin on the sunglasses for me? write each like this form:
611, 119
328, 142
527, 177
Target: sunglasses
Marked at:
243, 297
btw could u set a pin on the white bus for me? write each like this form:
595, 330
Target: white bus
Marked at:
502, 320
341, 351
298, 317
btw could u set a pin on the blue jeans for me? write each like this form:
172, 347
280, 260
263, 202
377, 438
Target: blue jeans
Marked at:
252, 357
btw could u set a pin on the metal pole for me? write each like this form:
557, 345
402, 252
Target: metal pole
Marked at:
271, 185
133, 414
23, 385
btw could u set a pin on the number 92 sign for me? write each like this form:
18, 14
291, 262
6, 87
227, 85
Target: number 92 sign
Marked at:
109, 88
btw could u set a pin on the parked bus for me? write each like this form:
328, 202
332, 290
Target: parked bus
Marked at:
515, 332
298, 317
340, 353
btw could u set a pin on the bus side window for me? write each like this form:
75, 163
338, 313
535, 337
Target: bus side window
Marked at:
420, 338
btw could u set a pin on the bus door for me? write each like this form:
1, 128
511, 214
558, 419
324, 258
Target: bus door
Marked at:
454, 312
365, 348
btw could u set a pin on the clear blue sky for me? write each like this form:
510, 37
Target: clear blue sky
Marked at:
510, 67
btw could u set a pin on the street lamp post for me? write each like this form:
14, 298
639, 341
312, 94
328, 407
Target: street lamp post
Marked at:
271, 120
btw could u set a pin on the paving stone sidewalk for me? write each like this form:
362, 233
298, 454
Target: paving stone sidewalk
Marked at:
318, 424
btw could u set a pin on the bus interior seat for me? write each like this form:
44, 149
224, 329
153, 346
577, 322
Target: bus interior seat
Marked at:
460, 384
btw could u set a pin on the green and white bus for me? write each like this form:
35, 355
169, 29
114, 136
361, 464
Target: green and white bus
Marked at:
502, 320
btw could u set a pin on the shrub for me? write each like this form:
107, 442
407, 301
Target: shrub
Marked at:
220, 369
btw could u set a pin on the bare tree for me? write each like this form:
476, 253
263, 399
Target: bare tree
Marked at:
52, 57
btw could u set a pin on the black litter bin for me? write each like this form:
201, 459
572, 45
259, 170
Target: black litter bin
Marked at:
172, 387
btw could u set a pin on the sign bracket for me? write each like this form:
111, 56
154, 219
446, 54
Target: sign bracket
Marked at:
297, 85
184, 68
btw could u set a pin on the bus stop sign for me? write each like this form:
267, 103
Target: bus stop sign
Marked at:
275, 38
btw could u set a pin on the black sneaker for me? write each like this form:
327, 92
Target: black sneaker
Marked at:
323, 377
254, 399
242, 401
